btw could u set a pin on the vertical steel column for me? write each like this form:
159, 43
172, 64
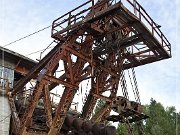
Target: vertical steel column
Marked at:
75, 72
47, 105
41, 82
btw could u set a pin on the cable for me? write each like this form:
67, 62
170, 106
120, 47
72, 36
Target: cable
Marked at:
135, 96
27, 36
46, 49
135, 83
5, 118
39, 51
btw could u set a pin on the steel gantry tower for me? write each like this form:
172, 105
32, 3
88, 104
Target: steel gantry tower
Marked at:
96, 41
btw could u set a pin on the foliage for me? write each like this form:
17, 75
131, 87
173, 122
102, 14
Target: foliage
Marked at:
121, 129
100, 104
162, 121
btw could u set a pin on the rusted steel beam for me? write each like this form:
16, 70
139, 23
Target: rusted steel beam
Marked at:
104, 112
92, 16
70, 66
120, 44
98, 117
47, 105
58, 81
37, 92
89, 105
22, 70
79, 54
85, 72
33, 72
61, 111
101, 76
69, 93
101, 39
91, 100
142, 62
25, 122
85, 58
15, 118
102, 97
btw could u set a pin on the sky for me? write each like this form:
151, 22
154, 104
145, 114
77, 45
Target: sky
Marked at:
158, 80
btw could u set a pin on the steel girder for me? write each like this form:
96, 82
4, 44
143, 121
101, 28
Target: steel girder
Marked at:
105, 38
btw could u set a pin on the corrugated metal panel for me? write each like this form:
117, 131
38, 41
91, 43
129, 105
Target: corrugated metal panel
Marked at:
14, 58
5, 115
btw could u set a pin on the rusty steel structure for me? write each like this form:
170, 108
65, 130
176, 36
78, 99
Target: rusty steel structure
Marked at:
96, 41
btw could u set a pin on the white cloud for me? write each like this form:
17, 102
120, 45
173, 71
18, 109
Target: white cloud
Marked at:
155, 80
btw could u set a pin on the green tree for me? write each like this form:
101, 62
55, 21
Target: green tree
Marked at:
100, 104
162, 121
121, 129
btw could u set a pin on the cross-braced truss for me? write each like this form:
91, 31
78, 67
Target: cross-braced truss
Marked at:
96, 41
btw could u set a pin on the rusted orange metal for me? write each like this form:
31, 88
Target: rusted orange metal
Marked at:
104, 38
22, 70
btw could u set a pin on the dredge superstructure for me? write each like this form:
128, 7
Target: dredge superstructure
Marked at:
96, 41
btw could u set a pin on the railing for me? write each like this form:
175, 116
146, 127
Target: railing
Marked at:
144, 17
78, 14
55, 98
